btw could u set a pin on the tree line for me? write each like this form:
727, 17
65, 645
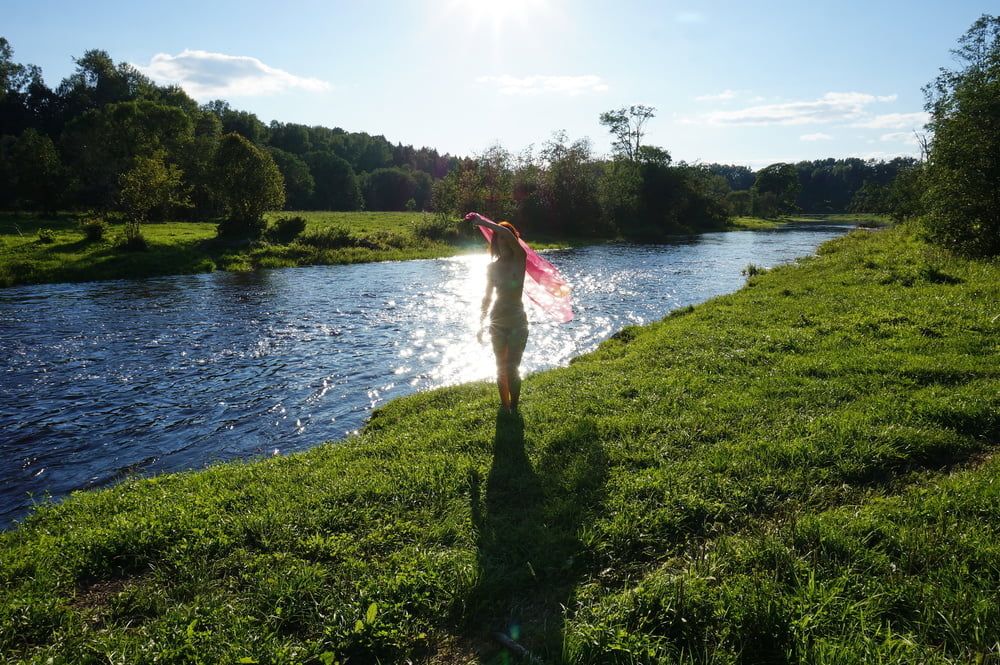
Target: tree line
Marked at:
70, 147
110, 139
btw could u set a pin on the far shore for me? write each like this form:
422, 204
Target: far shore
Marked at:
52, 249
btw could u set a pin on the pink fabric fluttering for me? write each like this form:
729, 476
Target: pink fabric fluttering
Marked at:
545, 286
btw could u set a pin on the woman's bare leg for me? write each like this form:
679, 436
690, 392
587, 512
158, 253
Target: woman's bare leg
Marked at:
514, 386
503, 381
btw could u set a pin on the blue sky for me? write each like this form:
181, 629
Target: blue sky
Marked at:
743, 82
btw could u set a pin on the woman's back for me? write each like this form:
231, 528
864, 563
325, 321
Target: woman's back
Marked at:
507, 276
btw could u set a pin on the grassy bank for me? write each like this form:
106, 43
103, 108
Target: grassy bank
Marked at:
760, 223
177, 248
802, 471
191, 247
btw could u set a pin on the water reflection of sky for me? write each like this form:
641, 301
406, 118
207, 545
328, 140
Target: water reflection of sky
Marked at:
104, 379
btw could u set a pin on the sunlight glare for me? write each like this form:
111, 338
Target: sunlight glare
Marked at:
496, 13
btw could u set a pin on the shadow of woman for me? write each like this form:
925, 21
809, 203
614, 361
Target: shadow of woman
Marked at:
530, 555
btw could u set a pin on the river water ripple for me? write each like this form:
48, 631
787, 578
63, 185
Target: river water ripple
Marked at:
106, 379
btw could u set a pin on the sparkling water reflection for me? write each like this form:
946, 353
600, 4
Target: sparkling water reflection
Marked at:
102, 380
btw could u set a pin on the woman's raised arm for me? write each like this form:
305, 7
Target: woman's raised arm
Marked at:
506, 235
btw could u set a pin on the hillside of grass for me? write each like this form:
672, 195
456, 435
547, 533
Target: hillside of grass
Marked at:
802, 471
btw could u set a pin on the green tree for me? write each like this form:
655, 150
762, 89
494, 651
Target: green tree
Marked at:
244, 123
299, 183
198, 163
775, 189
905, 198
337, 186
740, 202
249, 184
626, 127
103, 143
494, 180
389, 189
38, 174
962, 177
569, 186
150, 189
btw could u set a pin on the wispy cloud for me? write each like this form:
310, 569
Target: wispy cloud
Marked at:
723, 96
818, 136
207, 75
908, 138
689, 17
536, 85
895, 121
831, 107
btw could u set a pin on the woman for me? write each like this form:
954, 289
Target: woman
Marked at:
508, 322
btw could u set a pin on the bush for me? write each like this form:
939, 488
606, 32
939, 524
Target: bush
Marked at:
46, 237
752, 270
236, 228
332, 237
94, 228
438, 228
133, 243
285, 229
381, 239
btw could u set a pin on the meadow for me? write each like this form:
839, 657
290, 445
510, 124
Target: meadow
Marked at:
802, 471
38, 249
192, 247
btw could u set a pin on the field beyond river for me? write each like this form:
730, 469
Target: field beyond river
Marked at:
55, 249
801, 471
39, 249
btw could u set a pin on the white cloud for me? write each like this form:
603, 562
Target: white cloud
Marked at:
888, 98
723, 96
534, 85
909, 138
207, 75
831, 107
818, 136
895, 121
689, 17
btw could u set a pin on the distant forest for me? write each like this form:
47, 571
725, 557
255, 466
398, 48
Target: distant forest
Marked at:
70, 148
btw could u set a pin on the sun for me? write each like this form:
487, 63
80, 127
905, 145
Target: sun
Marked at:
497, 13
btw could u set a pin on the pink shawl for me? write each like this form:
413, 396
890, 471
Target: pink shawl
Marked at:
544, 286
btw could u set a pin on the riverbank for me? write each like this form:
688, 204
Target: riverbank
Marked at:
802, 470
760, 223
180, 248
177, 248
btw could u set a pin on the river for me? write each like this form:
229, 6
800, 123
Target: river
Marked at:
101, 380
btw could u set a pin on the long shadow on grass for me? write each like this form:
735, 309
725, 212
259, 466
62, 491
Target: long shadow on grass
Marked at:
530, 553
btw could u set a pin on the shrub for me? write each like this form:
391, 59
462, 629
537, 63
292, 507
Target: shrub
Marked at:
94, 228
438, 227
752, 270
45, 236
285, 229
133, 242
332, 237
381, 239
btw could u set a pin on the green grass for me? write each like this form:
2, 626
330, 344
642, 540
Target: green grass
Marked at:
803, 471
191, 247
759, 223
